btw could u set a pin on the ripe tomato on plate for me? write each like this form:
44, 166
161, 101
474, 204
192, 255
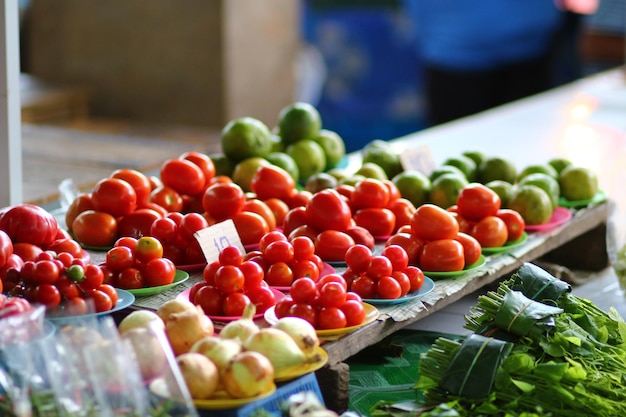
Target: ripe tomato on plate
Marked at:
443, 255
476, 201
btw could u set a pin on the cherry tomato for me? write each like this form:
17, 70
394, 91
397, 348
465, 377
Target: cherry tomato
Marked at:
129, 279
303, 290
230, 255
299, 198
229, 278
283, 306
270, 237
102, 301
110, 291
147, 248
378, 221
431, 222
76, 306
304, 311
471, 248
279, 251
183, 176
114, 196
120, 257
476, 201
271, 181
332, 245
397, 255
138, 223
164, 229
253, 274
305, 268
279, 208
158, 271
250, 226
46, 272
465, 226
354, 312
203, 161
167, 197
358, 258
279, 274
47, 294
257, 206
68, 246
95, 228
192, 254
332, 294
303, 248
138, 180
66, 259
194, 289
403, 280
514, 223
294, 218
81, 203
370, 193
345, 190
388, 288
94, 277
223, 200
416, 277
190, 224
306, 231
209, 298
128, 241
334, 277
234, 304
443, 255
328, 210
26, 251
361, 236
490, 232
331, 318
262, 297
403, 209
379, 267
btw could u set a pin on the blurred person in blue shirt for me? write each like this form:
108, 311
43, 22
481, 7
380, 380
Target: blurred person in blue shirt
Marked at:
479, 54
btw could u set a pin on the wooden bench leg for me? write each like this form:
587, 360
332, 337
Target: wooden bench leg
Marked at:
334, 381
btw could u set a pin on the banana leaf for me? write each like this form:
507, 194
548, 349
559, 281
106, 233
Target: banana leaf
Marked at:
538, 284
522, 316
473, 368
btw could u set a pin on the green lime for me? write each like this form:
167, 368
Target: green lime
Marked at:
351, 180
497, 168
381, 153
372, 170
537, 168
298, 121
223, 164
309, 157
477, 156
413, 185
559, 164
578, 183
339, 173
445, 169
446, 188
546, 182
320, 182
245, 170
277, 144
246, 137
286, 162
532, 203
465, 164
333, 145
503, 189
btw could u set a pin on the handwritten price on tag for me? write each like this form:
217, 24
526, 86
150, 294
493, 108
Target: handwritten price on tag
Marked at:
418, 159
215, 238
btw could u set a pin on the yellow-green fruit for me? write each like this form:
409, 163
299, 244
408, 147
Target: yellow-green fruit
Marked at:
320, 182
503, 189
446, 188
559, 164
382, 154
223, 164
413, 185
372, 170
351, 180
546, 182
333, 145
445, 169
246, 137
532, 203
465, 164
578, 183
309, 157
477, 156
286, 162
538, 168
497, 168
245, 170
298, 121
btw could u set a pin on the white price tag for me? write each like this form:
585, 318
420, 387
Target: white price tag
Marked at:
216, 237
418, 159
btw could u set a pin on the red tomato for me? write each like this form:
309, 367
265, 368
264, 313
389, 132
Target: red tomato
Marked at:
328, 210
114, 196
305, 268
369, 193
332, 245
138, 180
443, 255
47, 294
29, 223
119, 258
465, 226
358, 258
257, 206
332, 294
230, 255
63, 245
397, 255
299, 198
110, 291
203, 161
394, 192
128, 241
158, 271
223, 200
364, 286
46, 272
334, 277
250, 226
354, 312
471, 248
269, 237
476, 201
164, 229
331, 318
294, 218
190, 224
412, 245
345, 190
183, 175
194, 289
262, 297
271, 181
403, 209
229, 278
95, 228
279, 251
75, 306
303, 290
388, 288
148, 248
279, 208
361, 236
279, 274
234, 304
416, 277
303, 248
209, 298
431, 222
514, 223
378, 221
283, 306
490, 232
26, 251
304, 311
305, 231
81, 203
167, 197
379, 267
94, 277
138, 223
102, 301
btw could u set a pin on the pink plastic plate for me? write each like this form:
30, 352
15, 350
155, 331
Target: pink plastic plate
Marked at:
560, 216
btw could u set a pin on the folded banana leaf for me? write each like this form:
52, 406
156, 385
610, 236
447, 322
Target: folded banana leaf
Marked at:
538, 284
522, 316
